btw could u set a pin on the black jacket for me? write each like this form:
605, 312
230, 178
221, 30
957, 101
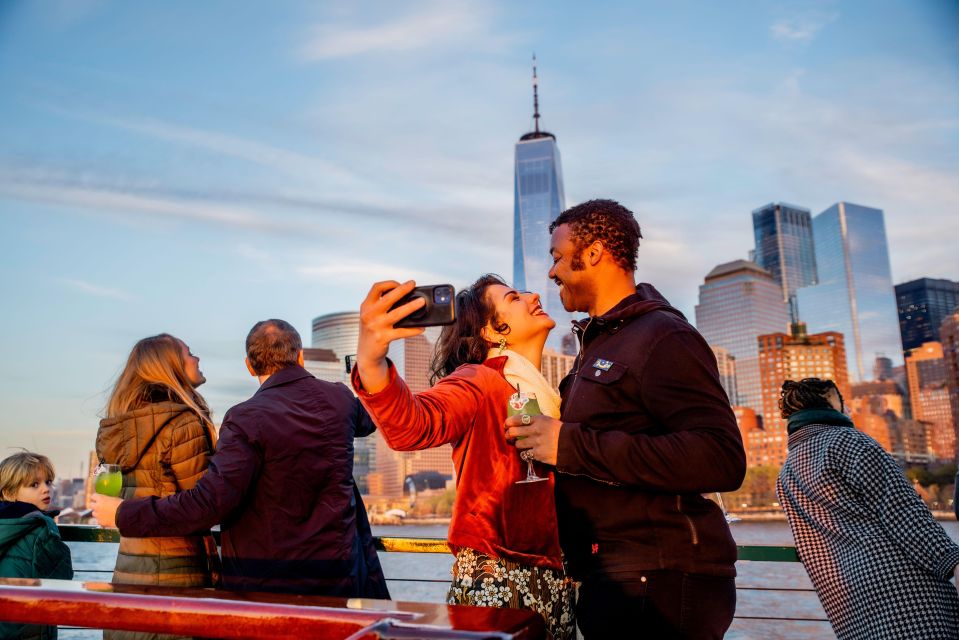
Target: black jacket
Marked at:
281, 486
647, 428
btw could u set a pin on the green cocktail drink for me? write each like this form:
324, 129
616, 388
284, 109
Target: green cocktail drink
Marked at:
108, 480
525, 404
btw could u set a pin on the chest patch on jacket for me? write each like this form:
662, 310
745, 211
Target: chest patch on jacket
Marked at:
602, 365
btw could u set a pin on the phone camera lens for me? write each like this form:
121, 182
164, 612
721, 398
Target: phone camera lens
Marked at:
442, 295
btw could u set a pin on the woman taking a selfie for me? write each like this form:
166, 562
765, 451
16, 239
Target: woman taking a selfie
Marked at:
158, 430
503, 531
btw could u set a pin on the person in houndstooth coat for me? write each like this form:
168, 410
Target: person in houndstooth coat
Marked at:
880, 563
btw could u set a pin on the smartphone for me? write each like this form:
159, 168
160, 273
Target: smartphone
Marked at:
438, 310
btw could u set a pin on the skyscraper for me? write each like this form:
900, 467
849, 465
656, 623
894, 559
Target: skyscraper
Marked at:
538, 200
855, 295
923, 305
738, 302
795, 356
927, 373
726, 363
784, 248
949, 339
338, 332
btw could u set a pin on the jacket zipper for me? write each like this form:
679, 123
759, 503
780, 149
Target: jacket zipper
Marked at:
581, 337
692, 526
578, 364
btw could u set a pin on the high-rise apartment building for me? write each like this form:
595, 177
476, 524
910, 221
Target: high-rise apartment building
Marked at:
855, 295
949, 339
738, 302
538, 200
555, 366
878, 409
927, 373
784, 248
726, 363
795, 356
338, 332
923, 305
751, 429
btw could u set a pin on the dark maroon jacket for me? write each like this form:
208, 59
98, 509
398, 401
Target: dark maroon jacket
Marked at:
647, 428
281, 486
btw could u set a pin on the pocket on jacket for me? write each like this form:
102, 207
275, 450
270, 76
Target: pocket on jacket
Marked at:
603, 371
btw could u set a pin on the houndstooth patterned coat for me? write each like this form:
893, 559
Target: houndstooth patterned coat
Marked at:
880, 563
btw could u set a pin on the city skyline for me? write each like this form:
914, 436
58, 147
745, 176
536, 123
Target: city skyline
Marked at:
196, 168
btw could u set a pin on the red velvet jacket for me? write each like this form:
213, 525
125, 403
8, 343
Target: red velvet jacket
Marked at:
467, 409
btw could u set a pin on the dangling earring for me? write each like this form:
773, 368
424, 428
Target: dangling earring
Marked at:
502, 345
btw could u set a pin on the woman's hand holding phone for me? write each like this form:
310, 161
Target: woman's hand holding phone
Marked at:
377, 330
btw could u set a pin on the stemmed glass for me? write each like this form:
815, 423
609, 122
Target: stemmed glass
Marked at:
525, 404
108, 481
730, 518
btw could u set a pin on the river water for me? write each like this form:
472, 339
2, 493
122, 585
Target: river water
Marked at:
424, 577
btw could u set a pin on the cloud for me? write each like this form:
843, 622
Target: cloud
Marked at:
57, 190
310, 168
801, 30
441, 23
95, 290
364, 271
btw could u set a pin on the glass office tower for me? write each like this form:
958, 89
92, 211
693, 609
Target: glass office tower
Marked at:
738, 302
923, 305
784, 248
855, 295
538, 200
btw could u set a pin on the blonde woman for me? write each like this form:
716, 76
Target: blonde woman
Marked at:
158, 429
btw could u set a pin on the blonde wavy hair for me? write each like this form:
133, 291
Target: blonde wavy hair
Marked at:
155, 361
20, 470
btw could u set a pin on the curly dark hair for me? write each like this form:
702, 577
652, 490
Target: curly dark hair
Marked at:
607, 221
808, 393
462, 342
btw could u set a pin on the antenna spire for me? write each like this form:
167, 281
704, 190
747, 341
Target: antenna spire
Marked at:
535, 98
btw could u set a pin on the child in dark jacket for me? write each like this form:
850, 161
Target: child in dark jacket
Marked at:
30, 544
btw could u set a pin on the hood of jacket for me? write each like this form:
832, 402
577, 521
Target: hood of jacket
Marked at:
645, 300
15, 524
124, 439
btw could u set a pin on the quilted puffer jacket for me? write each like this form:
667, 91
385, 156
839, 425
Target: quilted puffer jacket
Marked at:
162, 448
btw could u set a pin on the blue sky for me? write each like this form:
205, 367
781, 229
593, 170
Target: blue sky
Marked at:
196, 167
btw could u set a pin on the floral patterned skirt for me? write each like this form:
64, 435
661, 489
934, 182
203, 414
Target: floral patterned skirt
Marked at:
481, 580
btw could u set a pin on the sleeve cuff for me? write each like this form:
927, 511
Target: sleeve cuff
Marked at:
358, 384
566, 454
948, 564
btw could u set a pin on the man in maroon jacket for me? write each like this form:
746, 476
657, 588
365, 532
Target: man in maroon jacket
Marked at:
280, 484
645, 429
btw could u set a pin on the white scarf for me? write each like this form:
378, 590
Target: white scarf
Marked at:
523, 375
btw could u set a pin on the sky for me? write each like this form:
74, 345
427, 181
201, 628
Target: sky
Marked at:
193, 168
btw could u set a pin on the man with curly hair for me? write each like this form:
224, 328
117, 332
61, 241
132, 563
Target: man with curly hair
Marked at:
645, 430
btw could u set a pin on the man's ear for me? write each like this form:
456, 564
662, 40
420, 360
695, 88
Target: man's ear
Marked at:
249, 367
594, 253
299, 358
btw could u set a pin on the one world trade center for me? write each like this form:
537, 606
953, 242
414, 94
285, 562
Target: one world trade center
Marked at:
538, 200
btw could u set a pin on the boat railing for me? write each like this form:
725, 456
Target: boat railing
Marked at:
391, 544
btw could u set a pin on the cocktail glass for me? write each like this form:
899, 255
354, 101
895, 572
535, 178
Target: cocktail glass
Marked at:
521, 403
108, 481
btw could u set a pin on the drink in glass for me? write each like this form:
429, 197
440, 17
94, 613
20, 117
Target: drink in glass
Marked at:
521, 403
108, 481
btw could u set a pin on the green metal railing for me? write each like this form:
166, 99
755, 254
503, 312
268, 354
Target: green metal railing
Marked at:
92, 533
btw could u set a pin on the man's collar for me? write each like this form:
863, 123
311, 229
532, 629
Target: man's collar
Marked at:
284, 376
